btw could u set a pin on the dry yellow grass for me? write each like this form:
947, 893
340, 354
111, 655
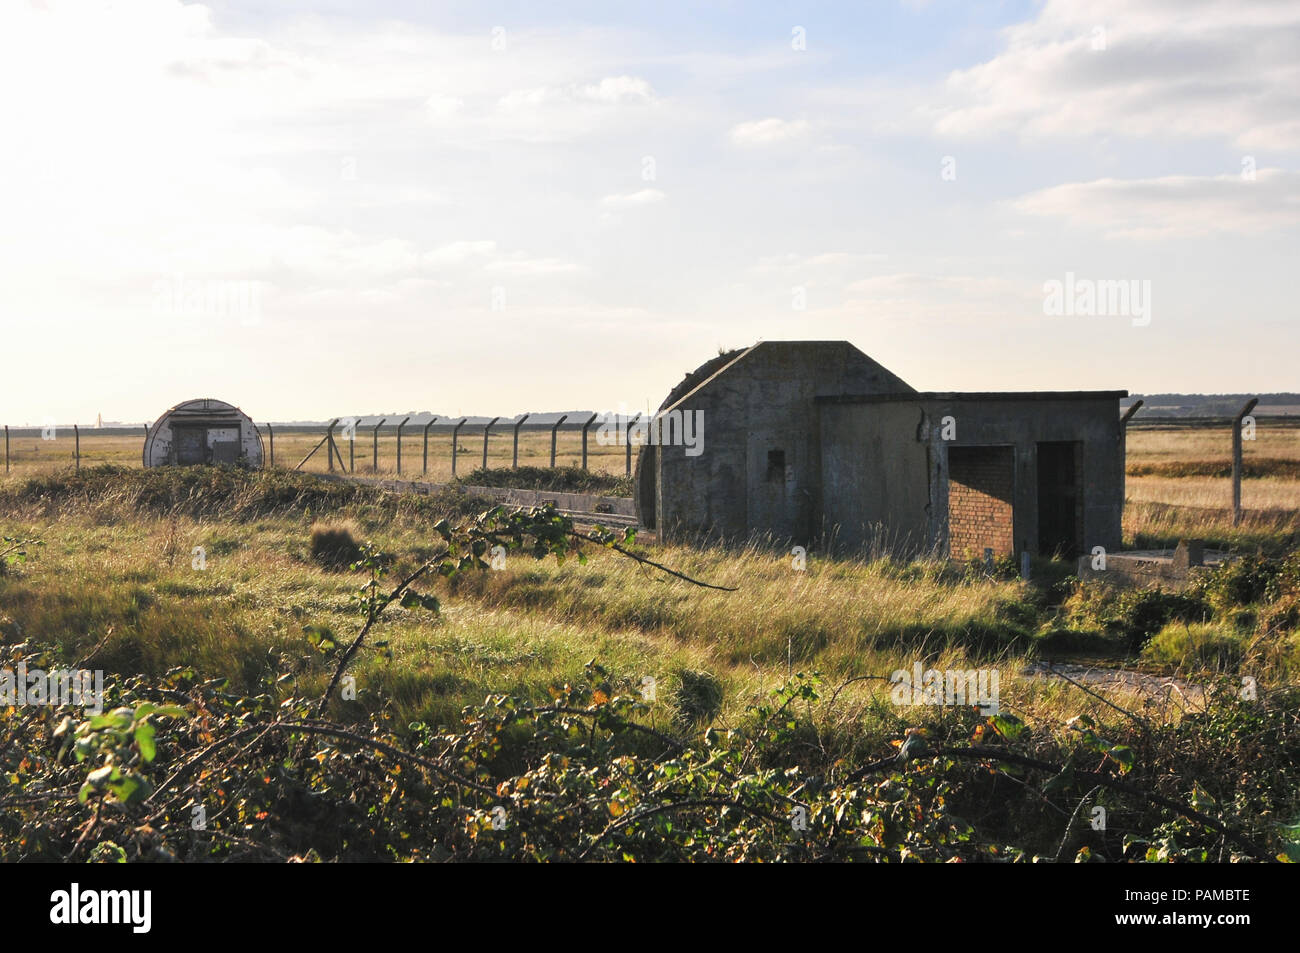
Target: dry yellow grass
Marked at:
1268, 493
1166, 446
30, 455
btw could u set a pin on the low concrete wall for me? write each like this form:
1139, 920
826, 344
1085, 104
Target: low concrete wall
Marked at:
1149, 568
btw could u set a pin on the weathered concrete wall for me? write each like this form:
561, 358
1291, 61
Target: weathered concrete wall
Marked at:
885, 461
760, 405
876, 490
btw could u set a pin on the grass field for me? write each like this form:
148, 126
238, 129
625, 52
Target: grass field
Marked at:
30, 455
213, 571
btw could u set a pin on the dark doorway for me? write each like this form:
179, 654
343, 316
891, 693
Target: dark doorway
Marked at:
1060, 499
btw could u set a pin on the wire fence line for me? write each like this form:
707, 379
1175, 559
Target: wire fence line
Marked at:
390, 444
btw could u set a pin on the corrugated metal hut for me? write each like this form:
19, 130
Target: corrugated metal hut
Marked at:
203, 431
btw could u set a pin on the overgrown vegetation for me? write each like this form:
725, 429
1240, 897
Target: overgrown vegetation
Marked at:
419, 705
334, 545
561, 479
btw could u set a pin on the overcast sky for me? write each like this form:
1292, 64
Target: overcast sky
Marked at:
493, 208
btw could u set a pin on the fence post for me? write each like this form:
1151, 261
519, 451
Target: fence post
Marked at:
1237, 459
343, 467
553, 430
329, 438
485, 439
374, 460
399, 446
6, 448
426, 444
514, 460
585, 428
76, 445
627, 442
270, 432
455, 432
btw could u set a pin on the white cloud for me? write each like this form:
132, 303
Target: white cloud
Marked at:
823, 261
459, 253
1174, 206
1214, 69
441, 107
766, 132
944, 299
633, 199
619, 89
520, 266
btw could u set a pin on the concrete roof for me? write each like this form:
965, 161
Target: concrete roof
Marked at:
1011, 395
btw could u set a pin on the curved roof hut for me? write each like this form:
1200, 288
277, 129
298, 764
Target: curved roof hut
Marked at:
203, 431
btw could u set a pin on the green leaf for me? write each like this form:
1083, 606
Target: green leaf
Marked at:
1008, 726
1201, 799
1124, 755
117, 718
320, 637
131, 789
144, 739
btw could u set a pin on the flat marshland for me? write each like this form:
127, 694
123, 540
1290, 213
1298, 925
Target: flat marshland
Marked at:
213, 587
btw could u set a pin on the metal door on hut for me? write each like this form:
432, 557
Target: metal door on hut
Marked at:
188, 445
224, 442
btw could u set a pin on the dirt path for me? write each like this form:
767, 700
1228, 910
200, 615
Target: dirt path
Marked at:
1159, 690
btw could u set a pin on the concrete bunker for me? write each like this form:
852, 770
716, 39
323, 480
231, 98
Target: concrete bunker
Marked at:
815, 443
203, 431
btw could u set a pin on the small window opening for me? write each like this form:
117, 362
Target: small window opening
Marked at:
776, 466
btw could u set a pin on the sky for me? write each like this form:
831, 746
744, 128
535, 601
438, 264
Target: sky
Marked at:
318, 209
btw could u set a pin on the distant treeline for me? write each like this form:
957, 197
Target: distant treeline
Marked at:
1212, 405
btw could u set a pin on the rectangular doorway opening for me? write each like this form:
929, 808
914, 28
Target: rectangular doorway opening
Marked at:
981, 490
1060, 499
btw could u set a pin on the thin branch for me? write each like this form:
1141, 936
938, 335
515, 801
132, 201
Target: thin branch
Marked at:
650, 562
1069, 825
1102, 698
375, 612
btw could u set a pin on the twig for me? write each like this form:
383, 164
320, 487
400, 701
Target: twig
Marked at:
1070, 823
1140, 720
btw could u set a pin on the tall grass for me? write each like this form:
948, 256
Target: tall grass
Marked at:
105, 573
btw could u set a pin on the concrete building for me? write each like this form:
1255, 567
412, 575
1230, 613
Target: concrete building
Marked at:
814, 442
203, 431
